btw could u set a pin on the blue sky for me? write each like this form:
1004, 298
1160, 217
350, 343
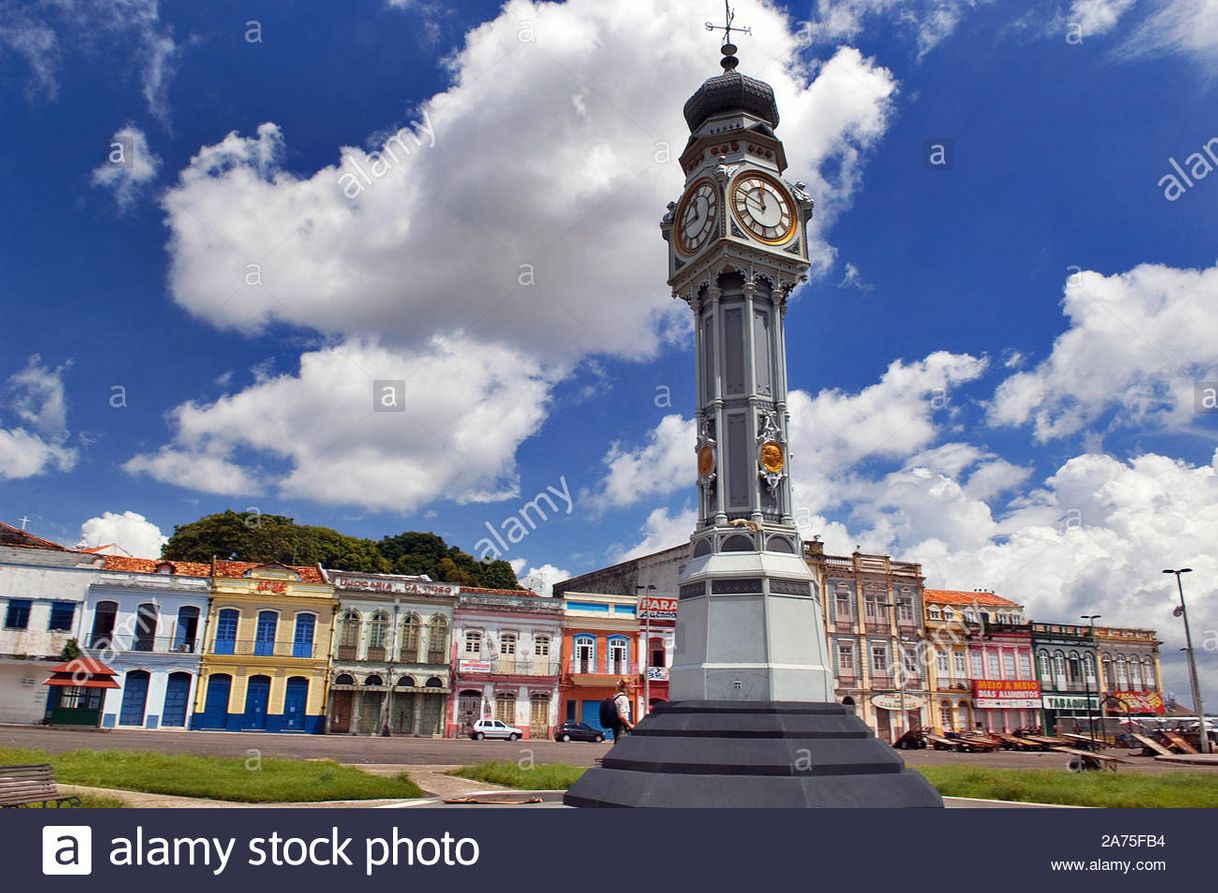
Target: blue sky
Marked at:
995, 363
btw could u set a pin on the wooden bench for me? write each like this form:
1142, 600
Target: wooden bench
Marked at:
30, 785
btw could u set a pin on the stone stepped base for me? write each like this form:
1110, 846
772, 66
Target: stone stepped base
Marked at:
752, 754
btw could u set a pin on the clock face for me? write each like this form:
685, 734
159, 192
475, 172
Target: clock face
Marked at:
697, 216
763, 208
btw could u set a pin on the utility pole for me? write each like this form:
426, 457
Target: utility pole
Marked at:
646, 662
1181, 611
1090, 618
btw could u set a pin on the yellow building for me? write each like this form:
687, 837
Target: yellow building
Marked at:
266, 649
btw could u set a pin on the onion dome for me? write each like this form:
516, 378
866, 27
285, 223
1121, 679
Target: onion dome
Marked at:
731, 92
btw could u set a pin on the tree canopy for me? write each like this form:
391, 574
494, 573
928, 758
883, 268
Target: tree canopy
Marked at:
253, 536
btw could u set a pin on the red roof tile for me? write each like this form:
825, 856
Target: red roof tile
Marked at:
960, 597
229, 569
15, 536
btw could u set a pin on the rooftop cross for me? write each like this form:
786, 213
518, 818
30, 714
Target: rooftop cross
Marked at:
729, 60
23, 521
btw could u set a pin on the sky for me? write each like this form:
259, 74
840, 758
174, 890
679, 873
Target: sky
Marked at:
396, 264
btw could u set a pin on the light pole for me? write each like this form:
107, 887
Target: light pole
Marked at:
1182, 612
1090, 618
393, 647
646, 647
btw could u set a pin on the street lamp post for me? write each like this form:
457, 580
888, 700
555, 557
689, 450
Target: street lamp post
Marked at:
387, 709
646, 663
1090, 618
1182, 612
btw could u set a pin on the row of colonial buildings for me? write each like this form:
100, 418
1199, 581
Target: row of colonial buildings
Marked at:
234, 646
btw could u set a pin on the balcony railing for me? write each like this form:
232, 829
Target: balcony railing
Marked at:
138, 642
508, 666
382, 654
605, 668
263, 648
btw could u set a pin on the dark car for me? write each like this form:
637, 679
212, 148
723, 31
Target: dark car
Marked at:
578, 731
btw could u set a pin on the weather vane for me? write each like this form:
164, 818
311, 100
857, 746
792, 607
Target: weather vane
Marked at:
729, 60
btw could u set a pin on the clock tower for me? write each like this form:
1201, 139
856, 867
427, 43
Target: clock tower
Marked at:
750, 616
752, 721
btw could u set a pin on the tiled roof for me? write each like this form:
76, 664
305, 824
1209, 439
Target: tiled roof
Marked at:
15, 536
231, 569
521, 592
960, 597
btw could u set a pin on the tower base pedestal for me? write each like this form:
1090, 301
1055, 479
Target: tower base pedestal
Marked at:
752, 754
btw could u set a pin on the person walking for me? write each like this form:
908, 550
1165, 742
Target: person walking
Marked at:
621, 702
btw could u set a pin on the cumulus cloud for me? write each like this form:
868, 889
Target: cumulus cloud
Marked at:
364, 424
33, 422
584, 159
659, 466
129, 165
539, 579
130, 531
1137, 343
561, 215
663, 529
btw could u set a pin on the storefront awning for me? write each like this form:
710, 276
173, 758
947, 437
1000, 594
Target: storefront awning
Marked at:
83, 672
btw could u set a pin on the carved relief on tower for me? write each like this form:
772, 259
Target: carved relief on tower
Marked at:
771, 451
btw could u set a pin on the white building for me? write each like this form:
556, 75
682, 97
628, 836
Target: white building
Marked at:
392, 641
42, 589
144, 619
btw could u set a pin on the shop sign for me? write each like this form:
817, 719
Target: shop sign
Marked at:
661, 609
892, 701
1073, 703
1140, 701
475, 666
1006, 694
400, 587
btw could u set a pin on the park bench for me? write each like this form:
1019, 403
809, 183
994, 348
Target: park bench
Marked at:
29, 785
1081, 760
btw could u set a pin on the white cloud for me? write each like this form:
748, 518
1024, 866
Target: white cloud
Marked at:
565, 197
539, 579
129, 165
318, 437
662, 530
1137, 342
929, 21
131, 29
130, 531
664, 463
1095, 17
35, 440
561, 216
1189, 27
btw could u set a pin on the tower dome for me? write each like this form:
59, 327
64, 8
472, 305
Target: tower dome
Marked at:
731, 92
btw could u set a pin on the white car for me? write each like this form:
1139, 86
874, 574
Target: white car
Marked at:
493, 728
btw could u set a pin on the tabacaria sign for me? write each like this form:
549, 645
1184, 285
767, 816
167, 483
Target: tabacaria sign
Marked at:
395, 587
1006, 694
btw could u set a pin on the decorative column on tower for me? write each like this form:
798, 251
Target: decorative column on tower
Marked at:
752, 722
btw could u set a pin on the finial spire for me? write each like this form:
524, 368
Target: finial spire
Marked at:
729, 60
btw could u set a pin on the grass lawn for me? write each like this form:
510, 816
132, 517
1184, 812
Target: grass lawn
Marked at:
1108, 789
545, 777
254, 780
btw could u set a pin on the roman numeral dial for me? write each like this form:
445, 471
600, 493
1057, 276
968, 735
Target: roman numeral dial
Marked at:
697, 216
762, 206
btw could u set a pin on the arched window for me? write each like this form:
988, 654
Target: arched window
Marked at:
1106, 668
226, 631
1045, 672
187, 630
1089, 668
507, 652
348, 635
344, 679
412, 628
541, 646
1135, 675
1074, 668
584, 658
473, 644
1059, 667
302, 637
378, 632
935, 614
1148, 674
406, 682
1122, 675
145, 626
103, 625
505, 707
437, 640
434, 682
264, 638
619, 655
945, 715
374, 679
